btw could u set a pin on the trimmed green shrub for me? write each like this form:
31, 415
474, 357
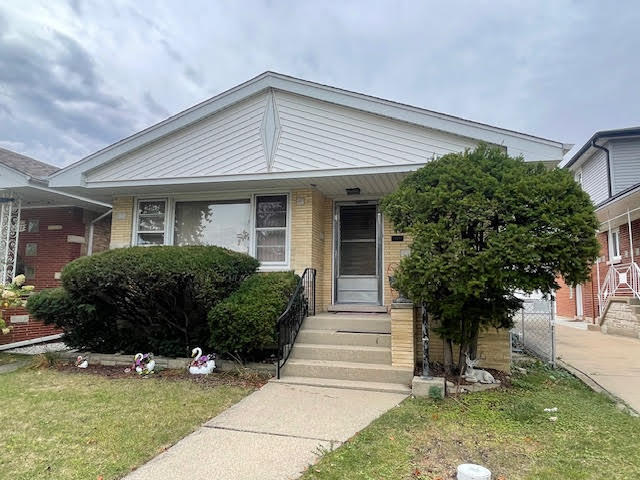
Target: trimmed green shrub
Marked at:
79, 321
245, 323
148, 298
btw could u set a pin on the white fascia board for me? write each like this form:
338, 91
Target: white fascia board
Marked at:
530, 147
260, 176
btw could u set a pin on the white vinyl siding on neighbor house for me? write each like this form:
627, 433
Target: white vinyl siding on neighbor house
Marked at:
257, 224
595, 177
625, 160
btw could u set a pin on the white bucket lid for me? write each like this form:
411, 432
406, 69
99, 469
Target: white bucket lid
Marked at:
469, 471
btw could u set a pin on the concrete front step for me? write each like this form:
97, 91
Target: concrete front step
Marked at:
366, 372
377, 323
332, 337
341, 308
342, 353
346, 384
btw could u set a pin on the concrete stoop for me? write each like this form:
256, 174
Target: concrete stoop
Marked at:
346, 350
621, 316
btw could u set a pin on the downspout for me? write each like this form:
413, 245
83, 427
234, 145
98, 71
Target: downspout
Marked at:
606, 150
91, 228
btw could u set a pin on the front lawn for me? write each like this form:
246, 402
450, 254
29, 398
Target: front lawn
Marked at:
508, 432
79, 425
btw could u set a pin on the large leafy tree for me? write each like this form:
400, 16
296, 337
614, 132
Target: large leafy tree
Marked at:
485, 225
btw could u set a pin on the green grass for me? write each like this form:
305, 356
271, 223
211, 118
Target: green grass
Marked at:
507, 431
60, 425
7, 358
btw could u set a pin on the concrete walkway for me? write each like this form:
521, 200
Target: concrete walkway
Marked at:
273, 434
611, 361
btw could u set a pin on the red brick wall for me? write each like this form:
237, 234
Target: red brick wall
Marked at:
566, 307
54, 250
565, 300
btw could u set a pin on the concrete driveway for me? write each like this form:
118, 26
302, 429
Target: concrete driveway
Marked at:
273, 434
610, 360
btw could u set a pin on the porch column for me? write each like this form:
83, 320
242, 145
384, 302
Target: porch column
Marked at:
10, 208
402, 335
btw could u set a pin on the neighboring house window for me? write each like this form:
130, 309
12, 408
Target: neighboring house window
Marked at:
150, 224
570, 292
29, 272
225, 224
578, 177
271, 229
31, 249
614, 245
33, 225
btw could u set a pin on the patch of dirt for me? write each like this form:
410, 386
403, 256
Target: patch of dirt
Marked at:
437, 370
238, 378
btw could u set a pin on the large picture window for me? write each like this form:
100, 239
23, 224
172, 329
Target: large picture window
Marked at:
271, 228
225, 224
151, 222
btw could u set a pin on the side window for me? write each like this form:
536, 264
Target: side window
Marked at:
150, 222
271, 229
614, 245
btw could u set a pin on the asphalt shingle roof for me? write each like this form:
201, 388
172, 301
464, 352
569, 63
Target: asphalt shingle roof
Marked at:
27, 165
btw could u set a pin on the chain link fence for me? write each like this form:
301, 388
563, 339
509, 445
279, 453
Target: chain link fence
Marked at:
533, 330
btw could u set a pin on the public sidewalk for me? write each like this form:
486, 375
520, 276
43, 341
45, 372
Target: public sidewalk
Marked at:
611, 361
273, 434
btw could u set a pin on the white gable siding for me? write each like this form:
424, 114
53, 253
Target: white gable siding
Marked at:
594, 177
321, 135
226, 143
625, 163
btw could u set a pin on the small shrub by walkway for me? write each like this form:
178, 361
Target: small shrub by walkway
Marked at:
508, 432
80, 425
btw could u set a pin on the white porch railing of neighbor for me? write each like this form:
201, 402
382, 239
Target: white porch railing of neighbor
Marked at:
621, 279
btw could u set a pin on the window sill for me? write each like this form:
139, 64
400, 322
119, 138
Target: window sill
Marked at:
614, 261
274, 268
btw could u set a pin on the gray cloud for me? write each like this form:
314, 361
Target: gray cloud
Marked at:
81, 76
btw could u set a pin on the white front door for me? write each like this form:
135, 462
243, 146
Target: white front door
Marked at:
579, 308
357, 253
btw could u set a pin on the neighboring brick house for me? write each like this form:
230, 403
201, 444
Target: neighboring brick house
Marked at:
608, 168
41, 231
292, 172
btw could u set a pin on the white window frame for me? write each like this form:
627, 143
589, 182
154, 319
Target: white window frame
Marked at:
614, 233
578, 177
136, 219
169, 218
270, 266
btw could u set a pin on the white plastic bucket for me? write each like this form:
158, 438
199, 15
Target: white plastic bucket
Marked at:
469, 471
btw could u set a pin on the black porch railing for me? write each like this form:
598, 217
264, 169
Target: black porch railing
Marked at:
301, 304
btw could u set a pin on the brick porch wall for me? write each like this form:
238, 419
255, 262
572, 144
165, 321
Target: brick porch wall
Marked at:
61, 238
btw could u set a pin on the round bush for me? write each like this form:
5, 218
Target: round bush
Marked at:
147, 298
245, 323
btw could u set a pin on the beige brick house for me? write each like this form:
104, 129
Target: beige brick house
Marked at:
292, 172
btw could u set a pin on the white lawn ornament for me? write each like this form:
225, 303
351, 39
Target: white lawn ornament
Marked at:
82, 362
144, 364
474, 376
201, 364
469, 471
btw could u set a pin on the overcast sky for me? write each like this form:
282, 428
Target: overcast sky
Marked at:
77, 76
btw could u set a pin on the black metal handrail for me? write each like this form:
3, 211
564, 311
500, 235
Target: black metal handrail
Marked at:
301, 304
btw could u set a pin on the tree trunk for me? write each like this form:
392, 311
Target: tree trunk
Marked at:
448, 356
